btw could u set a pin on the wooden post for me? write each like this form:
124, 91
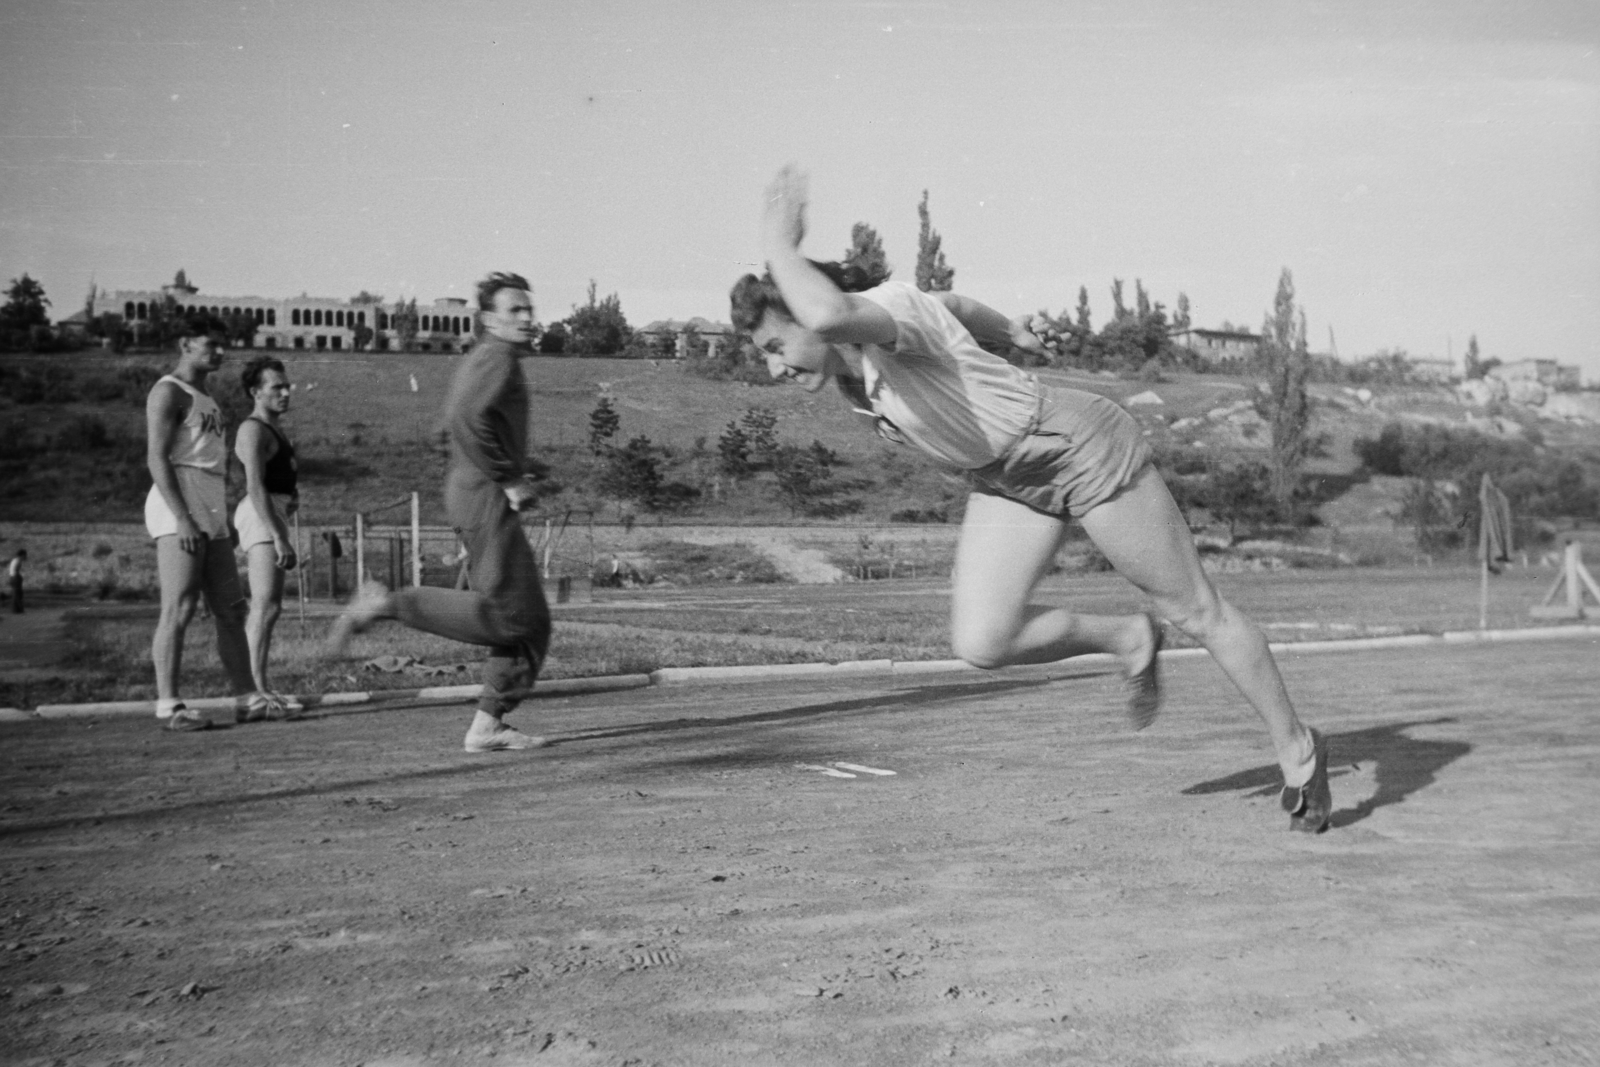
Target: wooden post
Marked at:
1483, 596
1577, 579
300, 579
416, 540
361, 549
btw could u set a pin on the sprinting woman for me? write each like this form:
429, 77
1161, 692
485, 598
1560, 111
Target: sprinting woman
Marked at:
271, 498
1036, 458
186, 515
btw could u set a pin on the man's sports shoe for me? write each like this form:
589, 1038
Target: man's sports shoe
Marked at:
184, 721
501, 739
286, 707
254, 707
365, 608
1310, 806
1144, 686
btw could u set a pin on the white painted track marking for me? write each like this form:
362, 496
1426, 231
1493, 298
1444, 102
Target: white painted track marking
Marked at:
863, 770
829, 771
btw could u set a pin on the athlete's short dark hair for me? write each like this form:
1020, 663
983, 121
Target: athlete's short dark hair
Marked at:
497, 281
751, 296
250, 377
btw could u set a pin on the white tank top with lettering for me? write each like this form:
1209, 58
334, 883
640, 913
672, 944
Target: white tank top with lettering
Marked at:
201, 441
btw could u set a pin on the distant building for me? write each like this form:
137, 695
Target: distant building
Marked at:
305, 322
714, 334
1215, 345
1424, 369
1546, 372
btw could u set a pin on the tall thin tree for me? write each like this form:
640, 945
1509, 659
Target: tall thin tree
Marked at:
1286, 407
866, 252
934, 275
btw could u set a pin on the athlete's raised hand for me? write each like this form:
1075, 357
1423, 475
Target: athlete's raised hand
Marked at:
783, 215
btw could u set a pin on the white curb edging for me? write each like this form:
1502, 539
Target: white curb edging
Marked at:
444, 694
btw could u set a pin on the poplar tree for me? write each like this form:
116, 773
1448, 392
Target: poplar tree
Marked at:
1285, 406
866, 252
934, 275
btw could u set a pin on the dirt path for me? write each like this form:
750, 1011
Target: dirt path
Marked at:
678, 882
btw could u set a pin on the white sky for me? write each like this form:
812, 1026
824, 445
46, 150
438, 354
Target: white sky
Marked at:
1428, 170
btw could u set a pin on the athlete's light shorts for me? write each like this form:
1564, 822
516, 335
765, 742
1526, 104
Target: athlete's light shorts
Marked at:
1081, 451
204, 494
253, 530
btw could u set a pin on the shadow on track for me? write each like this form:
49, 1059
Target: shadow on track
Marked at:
1404, 764
921, 696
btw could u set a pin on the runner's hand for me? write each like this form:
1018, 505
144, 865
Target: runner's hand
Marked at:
783, 214
1024, 338
190, 538
285, 554
521, 494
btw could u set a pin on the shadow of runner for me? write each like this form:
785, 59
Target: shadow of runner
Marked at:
921, 696
1405, 765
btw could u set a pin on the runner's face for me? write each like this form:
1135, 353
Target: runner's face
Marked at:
511, 317
794, 353
204, 354
272, 392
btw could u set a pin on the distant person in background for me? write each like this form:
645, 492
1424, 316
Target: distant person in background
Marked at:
14, 579
186, 514
271, 499
486, 415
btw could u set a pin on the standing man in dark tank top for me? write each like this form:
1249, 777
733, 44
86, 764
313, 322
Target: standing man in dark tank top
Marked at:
487, 484
272, 496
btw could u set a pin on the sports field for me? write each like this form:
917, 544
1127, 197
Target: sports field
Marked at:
681, 880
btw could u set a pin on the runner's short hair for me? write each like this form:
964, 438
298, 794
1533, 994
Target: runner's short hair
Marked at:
751, 297
494, 283
250, 376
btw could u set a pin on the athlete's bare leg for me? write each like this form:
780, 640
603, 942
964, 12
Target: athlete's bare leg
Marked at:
1005, 549
1146, 538
266, 605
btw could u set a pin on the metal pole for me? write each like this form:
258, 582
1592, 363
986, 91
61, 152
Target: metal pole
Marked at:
1483, 597
361, 549
300, 579
416, 540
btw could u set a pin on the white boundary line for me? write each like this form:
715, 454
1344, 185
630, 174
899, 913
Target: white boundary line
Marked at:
449, 694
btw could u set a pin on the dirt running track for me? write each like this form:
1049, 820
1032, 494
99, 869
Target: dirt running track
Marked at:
1033, 885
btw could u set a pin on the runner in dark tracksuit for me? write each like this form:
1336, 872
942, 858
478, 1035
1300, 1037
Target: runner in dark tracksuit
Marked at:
505, 607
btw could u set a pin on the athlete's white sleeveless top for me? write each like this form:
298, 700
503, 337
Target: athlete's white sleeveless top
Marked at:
948, 397
201, 442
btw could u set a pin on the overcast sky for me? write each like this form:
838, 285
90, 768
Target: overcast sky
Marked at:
1428, 170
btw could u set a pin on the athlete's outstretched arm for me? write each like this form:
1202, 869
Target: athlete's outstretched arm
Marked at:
814, 301
988, 326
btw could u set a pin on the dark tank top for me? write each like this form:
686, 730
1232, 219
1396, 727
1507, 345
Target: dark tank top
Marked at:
279, 477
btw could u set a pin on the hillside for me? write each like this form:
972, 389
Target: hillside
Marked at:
365, 427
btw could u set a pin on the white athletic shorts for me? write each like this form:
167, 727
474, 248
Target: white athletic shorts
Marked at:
204, 494
253, 530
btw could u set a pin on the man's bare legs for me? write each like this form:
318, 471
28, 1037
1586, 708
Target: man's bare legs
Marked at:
1006, 547
185, 577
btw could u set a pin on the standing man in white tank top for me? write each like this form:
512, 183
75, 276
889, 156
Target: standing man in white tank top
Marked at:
186, 514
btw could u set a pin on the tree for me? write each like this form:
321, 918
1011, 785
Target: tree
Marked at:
804, 477
403, 320
633, 472
603, 425
1239, 496
1285, 405
760, 426
1119, 310
866, 252
1180, 317
553, 341
733, 451
598, 328
25, 305
1083, 309
1477, 366
934, 275
364, 297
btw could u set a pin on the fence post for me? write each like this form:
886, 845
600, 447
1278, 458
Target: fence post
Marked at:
300, 579
361, 549
416, 540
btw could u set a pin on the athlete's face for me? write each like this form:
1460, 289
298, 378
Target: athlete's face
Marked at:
202, 353
511, 317
272, 392
795, 353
